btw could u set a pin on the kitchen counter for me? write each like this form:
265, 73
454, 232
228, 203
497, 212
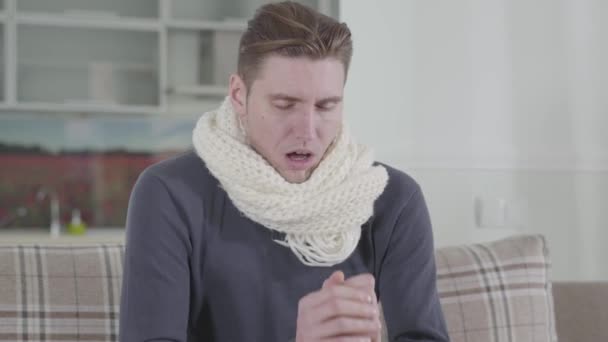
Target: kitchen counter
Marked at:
43, 236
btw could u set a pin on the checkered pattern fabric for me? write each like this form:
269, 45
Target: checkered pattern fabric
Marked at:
498, 291
493, 292
60, 293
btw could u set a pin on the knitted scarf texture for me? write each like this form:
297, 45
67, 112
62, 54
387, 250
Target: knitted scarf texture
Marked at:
321, 217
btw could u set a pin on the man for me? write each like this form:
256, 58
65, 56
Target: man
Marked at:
278, 226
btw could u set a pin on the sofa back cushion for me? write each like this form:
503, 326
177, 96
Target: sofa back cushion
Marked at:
497, 291
60, 293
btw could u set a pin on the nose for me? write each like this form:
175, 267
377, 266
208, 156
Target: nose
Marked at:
304, 127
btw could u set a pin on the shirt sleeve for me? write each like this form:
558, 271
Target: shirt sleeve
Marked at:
407, 278
155, 287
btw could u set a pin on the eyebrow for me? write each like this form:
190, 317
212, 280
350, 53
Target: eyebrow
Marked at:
281, 96
335, 99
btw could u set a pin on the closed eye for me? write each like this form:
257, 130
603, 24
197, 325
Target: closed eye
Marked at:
284, 105
326, 105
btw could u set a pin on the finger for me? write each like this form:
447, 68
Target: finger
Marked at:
335, 278
364, 285
315, 299
347, 326
337, 307
365, 280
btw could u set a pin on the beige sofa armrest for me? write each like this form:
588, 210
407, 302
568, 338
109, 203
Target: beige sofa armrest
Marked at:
581, 311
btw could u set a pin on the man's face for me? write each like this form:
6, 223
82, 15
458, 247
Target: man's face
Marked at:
292, 113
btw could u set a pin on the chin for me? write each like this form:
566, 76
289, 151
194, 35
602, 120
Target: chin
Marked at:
296, 177
296, 180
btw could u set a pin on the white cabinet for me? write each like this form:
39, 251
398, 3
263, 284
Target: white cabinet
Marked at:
119, 8
76, 65
121, 56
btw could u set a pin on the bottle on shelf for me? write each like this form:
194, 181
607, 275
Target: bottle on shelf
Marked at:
76, 225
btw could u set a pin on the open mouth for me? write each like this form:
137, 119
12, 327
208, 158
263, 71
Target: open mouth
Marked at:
299, 156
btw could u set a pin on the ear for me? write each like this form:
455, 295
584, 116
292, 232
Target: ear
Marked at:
238, 94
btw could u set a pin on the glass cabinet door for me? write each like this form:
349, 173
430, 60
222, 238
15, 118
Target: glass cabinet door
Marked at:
225, 10
215, 10
122, 8
202, 57
87, 66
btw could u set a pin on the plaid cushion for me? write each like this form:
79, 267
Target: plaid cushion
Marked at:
497, 291
490, 292
60, 293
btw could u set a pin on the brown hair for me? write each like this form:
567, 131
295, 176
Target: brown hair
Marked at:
293, 30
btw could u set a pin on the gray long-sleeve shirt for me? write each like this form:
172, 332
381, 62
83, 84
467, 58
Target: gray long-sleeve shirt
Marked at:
196, 269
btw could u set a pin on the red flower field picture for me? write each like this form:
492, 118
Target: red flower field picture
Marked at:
90, 164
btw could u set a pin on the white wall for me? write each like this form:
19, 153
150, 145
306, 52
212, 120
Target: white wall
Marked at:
492, 99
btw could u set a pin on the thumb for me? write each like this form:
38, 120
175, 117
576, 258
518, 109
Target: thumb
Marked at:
335, 278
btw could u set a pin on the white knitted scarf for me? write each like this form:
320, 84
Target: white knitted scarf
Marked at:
321, 217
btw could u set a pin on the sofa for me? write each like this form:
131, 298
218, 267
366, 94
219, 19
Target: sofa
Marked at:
496, 291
